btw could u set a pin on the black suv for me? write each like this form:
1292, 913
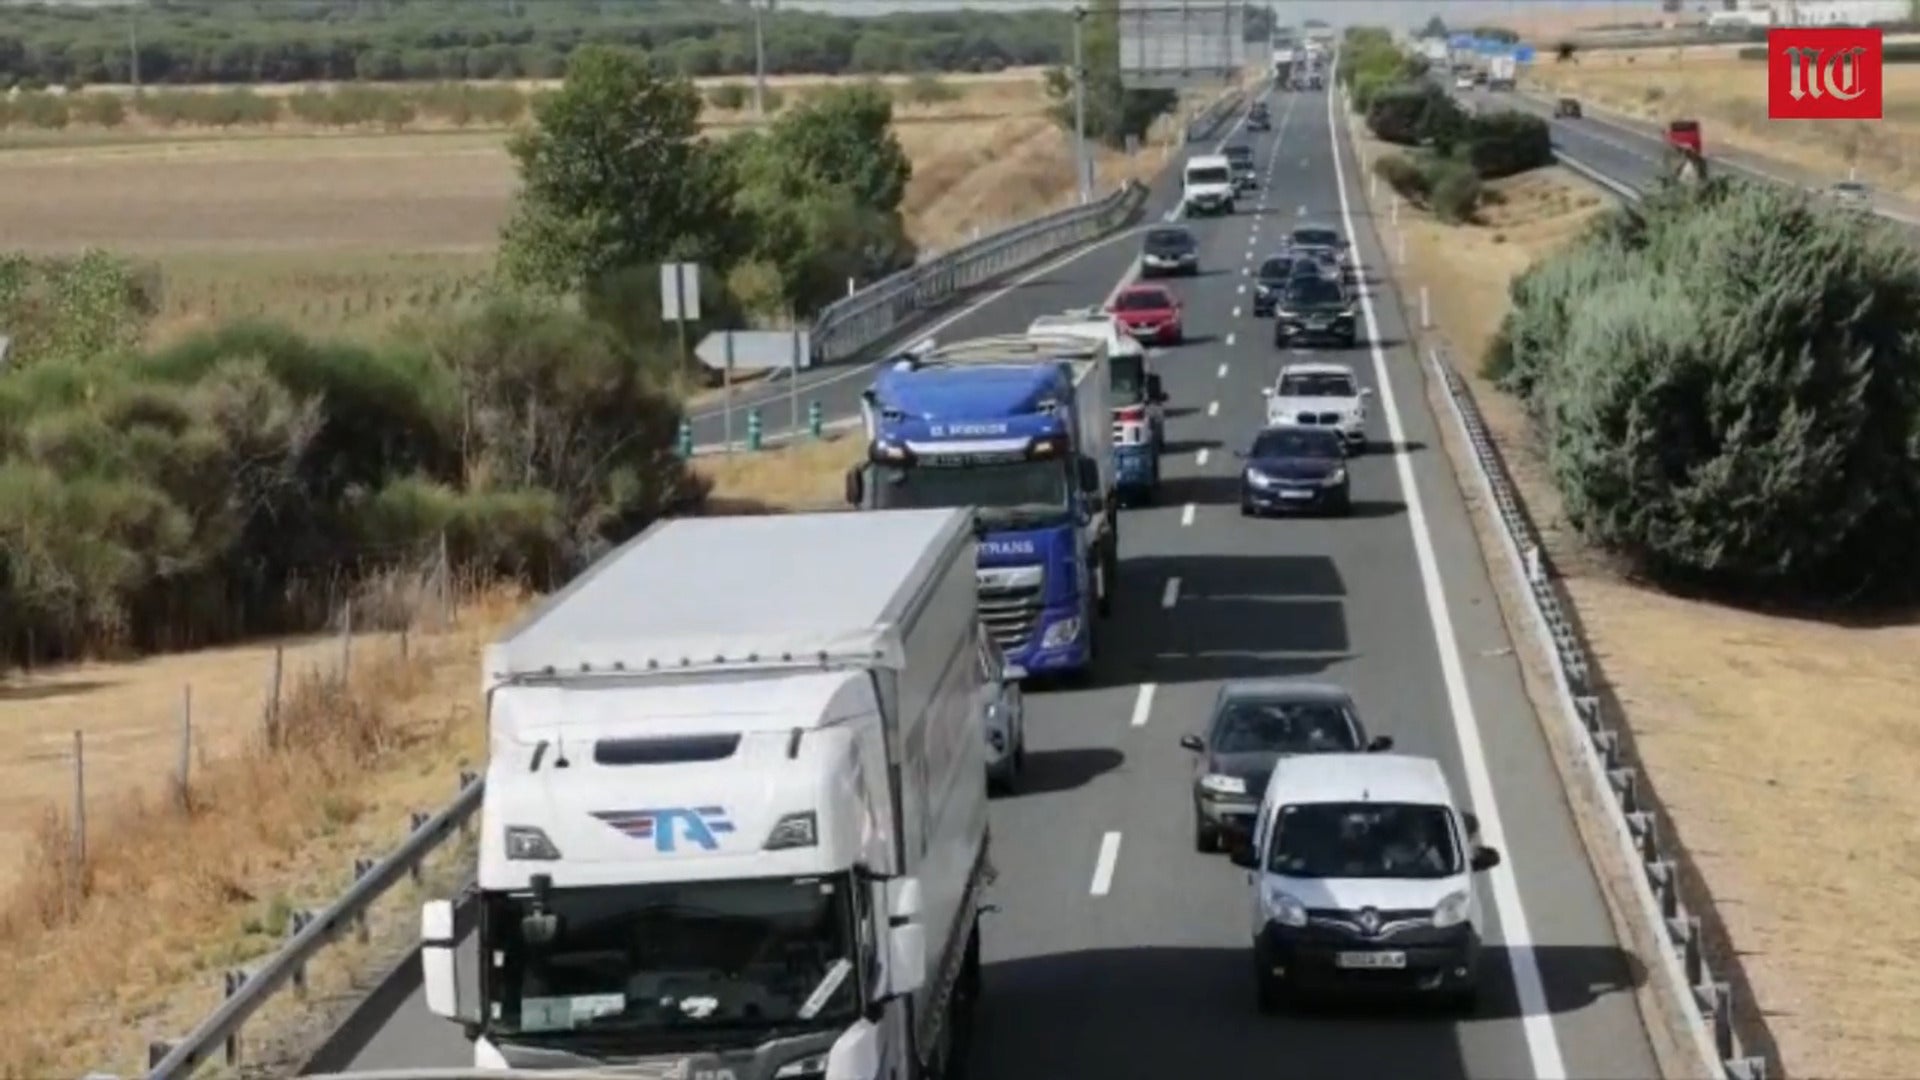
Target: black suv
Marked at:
1169, 251
1274, 276
1314, 309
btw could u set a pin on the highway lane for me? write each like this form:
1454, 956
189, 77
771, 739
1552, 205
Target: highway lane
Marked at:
1119, 951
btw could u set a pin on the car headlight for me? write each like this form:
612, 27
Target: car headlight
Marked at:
1452, 910
1224, 785
811, 1067
1284, 908
1064, 632
1259, 479
1336, 477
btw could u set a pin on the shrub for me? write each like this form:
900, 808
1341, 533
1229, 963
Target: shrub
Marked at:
730, 96
1456, 190
100, 110
929, 90
1728, 386
1404, 176
1507, 142
1410, 114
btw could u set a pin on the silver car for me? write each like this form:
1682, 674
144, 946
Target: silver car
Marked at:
1003, 716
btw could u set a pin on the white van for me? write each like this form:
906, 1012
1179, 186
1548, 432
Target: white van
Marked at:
1362, 870
1207, 185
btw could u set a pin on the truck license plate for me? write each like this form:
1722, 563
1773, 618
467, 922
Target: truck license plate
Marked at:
1370, 961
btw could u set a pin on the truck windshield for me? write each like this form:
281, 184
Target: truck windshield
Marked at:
695, 958
1364, 840
1208, 176
1004, 491
1127, 378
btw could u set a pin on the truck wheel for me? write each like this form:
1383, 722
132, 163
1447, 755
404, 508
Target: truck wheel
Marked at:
1109, 573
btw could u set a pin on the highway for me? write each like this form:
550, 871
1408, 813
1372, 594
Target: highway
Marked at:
1118, 951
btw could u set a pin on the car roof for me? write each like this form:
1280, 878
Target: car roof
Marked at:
1315, 367
1313, 226
1140, 287
1360, 777
1292, 689
1169, 232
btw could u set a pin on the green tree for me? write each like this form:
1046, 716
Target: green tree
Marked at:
613, 175
844, 136
1434, 28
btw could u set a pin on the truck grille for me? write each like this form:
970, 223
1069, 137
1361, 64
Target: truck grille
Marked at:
1009, 614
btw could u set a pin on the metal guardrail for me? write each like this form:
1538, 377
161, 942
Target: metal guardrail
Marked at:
1206, 123
851, 325
1639, 825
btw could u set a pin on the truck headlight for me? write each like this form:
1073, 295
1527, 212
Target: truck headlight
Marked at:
527, 842
1064, 632
1452, 910
1336, 477
1224, 785
811, 1067
1284, 908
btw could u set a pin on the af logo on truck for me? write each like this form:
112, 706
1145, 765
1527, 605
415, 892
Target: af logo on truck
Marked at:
1831, 73
698, 825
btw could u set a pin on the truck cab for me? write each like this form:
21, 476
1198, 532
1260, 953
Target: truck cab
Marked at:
1016, 427
1139, 402
1684, 136
1207, 185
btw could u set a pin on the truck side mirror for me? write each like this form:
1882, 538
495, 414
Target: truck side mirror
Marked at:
906, 937
437, 941
1089, 471
856, 486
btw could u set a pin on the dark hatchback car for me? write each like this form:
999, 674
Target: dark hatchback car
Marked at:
1169, 251
1314, 310
1274, 276
1295, 468
1255, 722
1258, 119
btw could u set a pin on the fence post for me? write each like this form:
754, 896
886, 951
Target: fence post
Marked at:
346, 642
79, 816
186, 747
275, 675
1426, 312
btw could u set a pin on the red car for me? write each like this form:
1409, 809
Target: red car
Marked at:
1150, 313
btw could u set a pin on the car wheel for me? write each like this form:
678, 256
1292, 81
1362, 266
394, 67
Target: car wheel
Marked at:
1268, 995
1246, 509
1343, 504
1347, 341
1464, 1001
1205, 840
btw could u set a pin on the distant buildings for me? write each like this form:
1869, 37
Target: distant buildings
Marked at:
1835, 12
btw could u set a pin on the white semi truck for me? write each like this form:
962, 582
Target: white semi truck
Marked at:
735, 821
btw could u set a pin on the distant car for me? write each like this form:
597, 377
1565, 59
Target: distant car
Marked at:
1684, 136
1320, 395
1852, 194
1479, 78
1273, 277
1150, 313
1312, 311
1567, 107
1464, 82
1319, 236
1240, 159
1255, 723
1258, 119
1169, 251
1295, 468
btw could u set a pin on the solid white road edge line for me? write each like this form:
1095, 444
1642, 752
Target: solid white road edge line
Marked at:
1103, 865
1536, 1020
1170, 595
1142, 706
1186, 515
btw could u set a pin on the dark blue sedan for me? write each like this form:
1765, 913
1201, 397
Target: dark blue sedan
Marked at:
1295, 469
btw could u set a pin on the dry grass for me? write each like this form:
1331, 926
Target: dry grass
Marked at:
804, 476
1541, 23
1778, 744
1729, 98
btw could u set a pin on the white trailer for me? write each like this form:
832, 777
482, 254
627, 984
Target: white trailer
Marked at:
1501, 71
735, 821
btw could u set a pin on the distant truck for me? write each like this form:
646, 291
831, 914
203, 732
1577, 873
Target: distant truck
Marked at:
1686, 153
1017, 427
734, 832
1283, 64
1134, 390
1501, 71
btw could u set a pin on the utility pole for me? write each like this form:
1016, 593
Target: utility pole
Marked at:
759, 59
133, 46
1081, 179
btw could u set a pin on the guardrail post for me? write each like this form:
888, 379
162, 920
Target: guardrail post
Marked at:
234, 979
467, 777
157, 1050
362, 866
816, 423
753, 429
1722, 1020
297, 921
415, 820
1426, 311
1691, 960
686, 438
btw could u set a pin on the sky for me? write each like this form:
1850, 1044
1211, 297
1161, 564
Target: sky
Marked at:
1337, 12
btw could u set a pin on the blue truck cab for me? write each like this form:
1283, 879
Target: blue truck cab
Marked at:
1133, 391
1015, 427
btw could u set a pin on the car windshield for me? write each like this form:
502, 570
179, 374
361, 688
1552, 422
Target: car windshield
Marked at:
1316, 291
1208, 175
1007, 492
1297, 443
1316, 384
1276, 268
1142, 300
1364, 840
1283, 726
695, 958
1319, 238
1126, 377
1236, 153
1169, 240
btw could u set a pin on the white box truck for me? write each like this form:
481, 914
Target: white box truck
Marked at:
1501, 71
735, 820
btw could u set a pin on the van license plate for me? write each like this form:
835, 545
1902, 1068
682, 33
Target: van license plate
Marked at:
1370, 961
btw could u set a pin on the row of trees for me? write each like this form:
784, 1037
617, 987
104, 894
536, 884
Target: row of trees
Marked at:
1450, 152
216, 41
1726, 380
248, 479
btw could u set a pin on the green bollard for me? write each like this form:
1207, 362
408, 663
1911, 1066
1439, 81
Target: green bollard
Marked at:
686, 438
753, 429
816, 424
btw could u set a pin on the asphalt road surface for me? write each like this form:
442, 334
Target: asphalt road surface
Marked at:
1118, 950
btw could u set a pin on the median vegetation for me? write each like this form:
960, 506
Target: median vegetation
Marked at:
1726, 383
1450, 152
247, 480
